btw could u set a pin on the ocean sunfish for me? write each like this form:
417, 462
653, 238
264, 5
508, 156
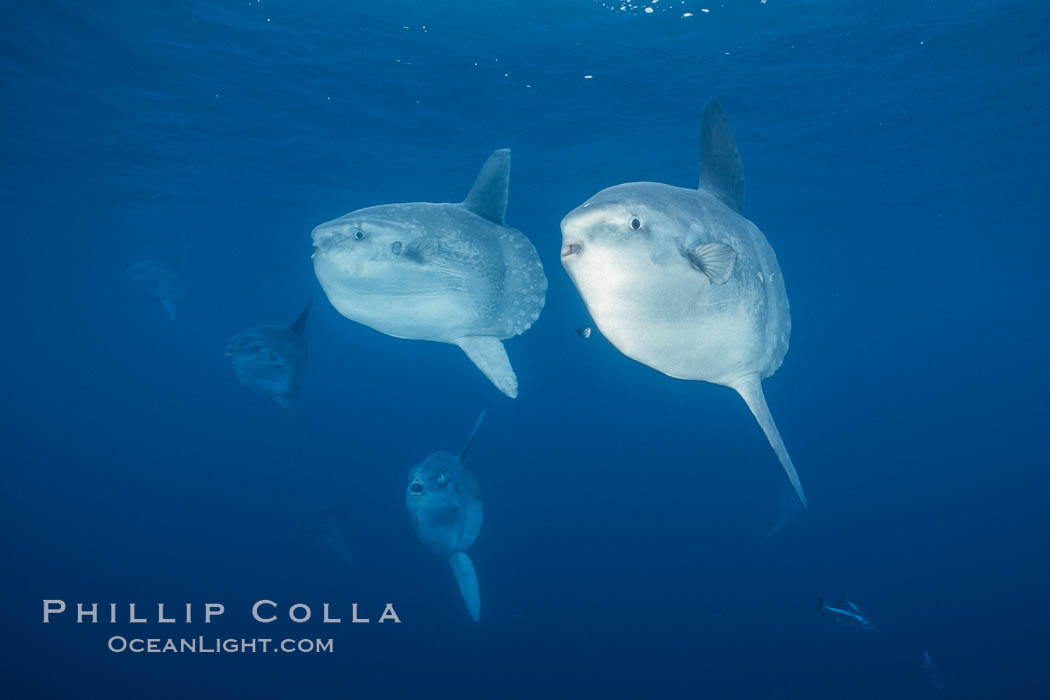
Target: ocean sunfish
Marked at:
451, 273
679, 280
846, 613
271, 360
160, 278
445, 504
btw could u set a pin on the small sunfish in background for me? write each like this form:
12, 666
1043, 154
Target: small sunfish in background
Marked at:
932, 673
160, 278
584, 332
846, 613
271, 360
445, 504
325, 530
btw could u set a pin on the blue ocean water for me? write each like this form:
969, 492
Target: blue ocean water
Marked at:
896, 159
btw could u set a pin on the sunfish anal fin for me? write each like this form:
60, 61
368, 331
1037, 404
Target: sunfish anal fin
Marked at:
288, 401
467, 579
488, 196
491, 358
169, 307
750, 389
716, 260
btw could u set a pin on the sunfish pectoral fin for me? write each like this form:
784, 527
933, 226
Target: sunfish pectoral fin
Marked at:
716, 260
750, 389
467, 579
491, 358
169, 307
488, 196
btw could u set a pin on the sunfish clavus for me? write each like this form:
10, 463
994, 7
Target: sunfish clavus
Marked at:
445, 504
679, 280
451, 273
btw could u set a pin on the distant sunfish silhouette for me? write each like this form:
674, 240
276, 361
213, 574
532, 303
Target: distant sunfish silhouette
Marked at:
161, 278
678, 280
445, 504
846, 613
271, 360
451, 273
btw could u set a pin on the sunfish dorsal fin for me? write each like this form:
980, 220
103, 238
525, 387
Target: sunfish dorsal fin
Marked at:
750, 389
467, 579
488, 196
299, 325
169, 307
720, 171
473, 433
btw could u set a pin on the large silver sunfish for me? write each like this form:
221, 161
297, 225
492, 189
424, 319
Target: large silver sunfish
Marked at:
679, 280
271, 360
451, 273
445, 504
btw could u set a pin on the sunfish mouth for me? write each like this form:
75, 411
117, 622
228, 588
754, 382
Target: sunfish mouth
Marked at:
416, 487
570, 249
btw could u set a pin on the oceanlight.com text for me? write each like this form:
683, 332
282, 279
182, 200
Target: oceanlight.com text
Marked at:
218, 645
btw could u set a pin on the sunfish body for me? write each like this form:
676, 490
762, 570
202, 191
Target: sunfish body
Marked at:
846, 613
451, 273
161, 278
445, 504
679, 280
271, 360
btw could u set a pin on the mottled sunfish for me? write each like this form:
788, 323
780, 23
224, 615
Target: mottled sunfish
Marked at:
161, 278
679, 280
846, 613
445, 504
271, 360
451, 273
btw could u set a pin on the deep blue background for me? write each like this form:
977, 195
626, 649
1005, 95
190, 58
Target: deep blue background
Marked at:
896, 156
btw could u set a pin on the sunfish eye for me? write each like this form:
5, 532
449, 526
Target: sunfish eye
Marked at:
636, 223
442, 479
359, 234
395, 247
